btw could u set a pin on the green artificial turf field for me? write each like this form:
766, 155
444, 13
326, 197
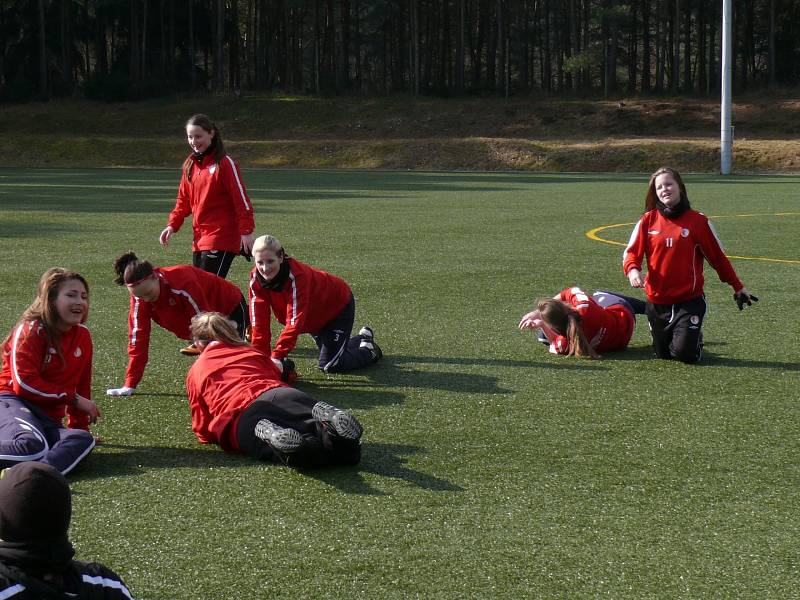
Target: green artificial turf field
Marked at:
490, 468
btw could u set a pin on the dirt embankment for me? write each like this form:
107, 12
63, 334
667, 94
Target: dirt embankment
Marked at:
527, 134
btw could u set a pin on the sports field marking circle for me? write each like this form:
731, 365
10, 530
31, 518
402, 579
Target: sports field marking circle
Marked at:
592, 235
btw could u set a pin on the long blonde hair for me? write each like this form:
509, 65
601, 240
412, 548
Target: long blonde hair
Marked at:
566, 321
215, 327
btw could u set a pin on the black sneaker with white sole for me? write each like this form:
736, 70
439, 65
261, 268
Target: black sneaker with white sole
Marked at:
282, 439
366, 332
340, 421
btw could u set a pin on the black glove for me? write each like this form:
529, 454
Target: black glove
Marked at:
288, 372
743, 298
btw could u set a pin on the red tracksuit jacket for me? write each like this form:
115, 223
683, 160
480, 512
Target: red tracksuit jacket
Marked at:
218, 202
185, 292
50, 384
606, 329
308, 300
221, 384
675, 249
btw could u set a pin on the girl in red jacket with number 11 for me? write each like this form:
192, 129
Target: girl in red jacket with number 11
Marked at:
676, 240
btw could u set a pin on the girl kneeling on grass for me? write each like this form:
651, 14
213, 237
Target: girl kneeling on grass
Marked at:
574, 323
170, 296
676, 240
238, 401
46, 375
305, 300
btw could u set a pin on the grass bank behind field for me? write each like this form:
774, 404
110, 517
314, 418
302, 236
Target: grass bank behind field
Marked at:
490, 134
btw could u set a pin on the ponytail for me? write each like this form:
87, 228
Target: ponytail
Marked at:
130, 269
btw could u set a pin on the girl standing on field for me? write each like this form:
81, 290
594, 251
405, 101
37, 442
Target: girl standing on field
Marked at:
305, 300
47, 375
675, 240
212, 191
170, 296
239, 402
574, 323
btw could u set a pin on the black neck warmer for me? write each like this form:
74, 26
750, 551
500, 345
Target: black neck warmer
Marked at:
674, 212
279, 279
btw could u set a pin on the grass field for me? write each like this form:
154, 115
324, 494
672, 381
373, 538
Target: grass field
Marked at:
490, 469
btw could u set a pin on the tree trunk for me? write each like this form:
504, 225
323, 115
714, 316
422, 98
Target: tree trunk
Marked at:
43, 87
192, 73
676, 47
135, 55
646, 49
460, 48
771, 44
633, 49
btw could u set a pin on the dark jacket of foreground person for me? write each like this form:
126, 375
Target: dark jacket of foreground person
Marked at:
35, 553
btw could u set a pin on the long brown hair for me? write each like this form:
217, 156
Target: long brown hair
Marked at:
651, 200
215, 327
566, 321
217, 145
43, 308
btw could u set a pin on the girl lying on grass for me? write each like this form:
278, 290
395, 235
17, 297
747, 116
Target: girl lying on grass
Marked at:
575, 323
238, 401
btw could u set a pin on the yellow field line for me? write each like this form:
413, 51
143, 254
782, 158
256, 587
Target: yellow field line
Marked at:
592, 235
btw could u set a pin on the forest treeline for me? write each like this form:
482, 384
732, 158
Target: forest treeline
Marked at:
132, 49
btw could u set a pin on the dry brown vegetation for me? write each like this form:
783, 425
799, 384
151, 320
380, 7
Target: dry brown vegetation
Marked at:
527, 134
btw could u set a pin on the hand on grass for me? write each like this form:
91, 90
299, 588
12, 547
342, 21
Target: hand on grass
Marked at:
123, 391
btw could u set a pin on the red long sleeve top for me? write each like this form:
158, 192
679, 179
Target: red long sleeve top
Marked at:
221, 384
606, 329
218, 202
185, 292
306, 302
32, 370
675, 250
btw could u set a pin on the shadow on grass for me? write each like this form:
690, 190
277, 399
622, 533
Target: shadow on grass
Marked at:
385, 460
123, 460
711, 360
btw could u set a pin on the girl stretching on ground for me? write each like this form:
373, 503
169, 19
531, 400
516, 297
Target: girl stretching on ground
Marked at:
170, 296
575, 323
239, 402
305, 300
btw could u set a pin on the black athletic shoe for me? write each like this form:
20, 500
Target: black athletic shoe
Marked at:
342, 422
282, 439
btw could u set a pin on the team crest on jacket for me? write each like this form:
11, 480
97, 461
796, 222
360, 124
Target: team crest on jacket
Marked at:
172, 302
684, 232
78, 352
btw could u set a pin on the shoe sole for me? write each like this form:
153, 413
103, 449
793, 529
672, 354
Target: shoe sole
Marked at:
282, 439
343, 423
